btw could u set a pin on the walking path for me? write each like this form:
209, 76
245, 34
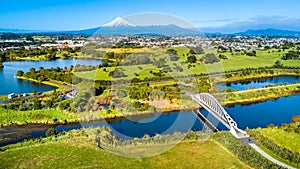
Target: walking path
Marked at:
267, 156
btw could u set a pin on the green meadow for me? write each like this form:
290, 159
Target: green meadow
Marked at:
82, 152
234, 61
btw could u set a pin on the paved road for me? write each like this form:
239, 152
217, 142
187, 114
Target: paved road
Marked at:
260, 151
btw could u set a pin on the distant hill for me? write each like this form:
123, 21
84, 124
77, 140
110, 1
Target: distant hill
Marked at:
269, 32
5, 30
120, 28
138, 30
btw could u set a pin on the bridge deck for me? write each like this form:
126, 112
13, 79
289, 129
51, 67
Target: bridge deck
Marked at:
209, 103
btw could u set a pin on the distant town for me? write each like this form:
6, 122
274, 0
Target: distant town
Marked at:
10, 41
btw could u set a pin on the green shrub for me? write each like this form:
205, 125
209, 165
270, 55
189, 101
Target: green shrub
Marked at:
243, 152
51, 132
278, 150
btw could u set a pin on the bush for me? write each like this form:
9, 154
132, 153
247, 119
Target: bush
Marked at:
196, 50
20, 73
221, 56
291, 55
271, 126
117, 73
278, 64
192, 59
251, 53
37, 105
280, 151
51, 132
243, 152
210, 58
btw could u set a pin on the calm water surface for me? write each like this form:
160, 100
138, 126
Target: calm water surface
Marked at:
256, 115
259, 83
10, 84
262, 114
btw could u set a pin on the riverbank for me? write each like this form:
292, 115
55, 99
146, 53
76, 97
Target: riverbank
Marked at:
250, 96
59, 85
236, 78
54, 116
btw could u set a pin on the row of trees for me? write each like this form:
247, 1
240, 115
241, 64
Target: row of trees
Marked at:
104, 137
48, 52
291, 55
208, 58
228, 74
52, 101
140, 92
35, 105
117, 73
251, 53
63, 75
126, 44
139, 58
244, 152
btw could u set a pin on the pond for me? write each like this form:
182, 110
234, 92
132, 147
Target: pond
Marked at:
10, 84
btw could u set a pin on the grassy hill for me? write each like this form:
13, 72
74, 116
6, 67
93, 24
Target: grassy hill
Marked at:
82, 152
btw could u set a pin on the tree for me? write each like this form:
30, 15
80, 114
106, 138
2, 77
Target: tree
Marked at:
51, 132
117, 73
20, 73
64, 105
159, 63
49, 103
251, 53
210, 58
192, 59
278, 64
112, 106
174, 57
139, 58
291, 55
221, 56
65, 54
37, 105
172, 51
196, 50
32, 70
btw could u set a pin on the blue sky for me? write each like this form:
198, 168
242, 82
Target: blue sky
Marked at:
79, 14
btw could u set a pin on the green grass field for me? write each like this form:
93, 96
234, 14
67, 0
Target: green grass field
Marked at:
235, 61
282, 138
81, 152
43, 116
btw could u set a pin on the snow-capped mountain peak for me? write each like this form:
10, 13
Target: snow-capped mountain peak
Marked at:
118, 22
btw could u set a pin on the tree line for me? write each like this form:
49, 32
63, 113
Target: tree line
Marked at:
59, 74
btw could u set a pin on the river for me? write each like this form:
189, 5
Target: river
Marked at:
256, 115
259, 83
